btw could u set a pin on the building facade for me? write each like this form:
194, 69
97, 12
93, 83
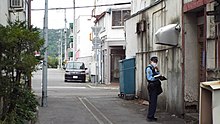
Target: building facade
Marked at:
11, 10
83, 42
201, 30
191, 60
111, 19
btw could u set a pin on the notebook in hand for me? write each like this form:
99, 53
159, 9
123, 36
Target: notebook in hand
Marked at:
161, 77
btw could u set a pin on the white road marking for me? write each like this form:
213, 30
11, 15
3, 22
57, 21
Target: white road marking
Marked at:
62, 87
99, 111
97, 119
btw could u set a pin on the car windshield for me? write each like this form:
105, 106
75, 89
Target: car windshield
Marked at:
75, 65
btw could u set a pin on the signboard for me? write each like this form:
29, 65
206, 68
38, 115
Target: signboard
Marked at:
96, 30
96, 40
96, 47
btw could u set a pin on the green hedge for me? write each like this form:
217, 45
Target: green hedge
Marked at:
17, 62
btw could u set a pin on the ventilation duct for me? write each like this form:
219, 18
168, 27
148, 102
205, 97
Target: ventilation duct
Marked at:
168, 35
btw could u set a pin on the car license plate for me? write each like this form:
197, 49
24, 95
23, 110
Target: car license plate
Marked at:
75, 77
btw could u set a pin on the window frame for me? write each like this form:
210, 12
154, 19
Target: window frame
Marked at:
16, 3
121, 18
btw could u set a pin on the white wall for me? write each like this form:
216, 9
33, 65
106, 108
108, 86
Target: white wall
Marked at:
131, 37
116, 33
3, 12
138, 5
84, 29
187, 1
21, 16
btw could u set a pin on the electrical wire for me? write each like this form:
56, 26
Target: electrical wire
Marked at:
115, 4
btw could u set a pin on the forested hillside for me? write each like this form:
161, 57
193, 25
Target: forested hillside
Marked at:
54, 36
53, 41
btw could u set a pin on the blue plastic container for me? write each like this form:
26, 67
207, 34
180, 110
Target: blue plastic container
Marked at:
127, 78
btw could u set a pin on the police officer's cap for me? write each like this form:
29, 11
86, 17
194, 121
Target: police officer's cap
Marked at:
154, 59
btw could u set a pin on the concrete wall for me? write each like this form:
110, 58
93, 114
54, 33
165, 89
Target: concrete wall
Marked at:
191, 59
140, 4
21, 16
192, 54
131, 37
211, 54
4, 12
210, 38
169, 57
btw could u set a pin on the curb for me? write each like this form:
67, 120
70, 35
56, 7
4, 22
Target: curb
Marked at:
102, 87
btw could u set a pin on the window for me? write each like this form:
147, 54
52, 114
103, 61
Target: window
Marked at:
16, 3
118, 17
75, 65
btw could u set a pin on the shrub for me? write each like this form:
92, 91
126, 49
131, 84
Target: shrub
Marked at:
17, 47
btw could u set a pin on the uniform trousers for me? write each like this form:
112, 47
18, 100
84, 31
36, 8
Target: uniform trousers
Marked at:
152, 101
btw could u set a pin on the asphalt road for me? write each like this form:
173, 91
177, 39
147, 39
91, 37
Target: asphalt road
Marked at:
79, 103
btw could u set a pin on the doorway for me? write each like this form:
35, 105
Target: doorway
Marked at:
117, 53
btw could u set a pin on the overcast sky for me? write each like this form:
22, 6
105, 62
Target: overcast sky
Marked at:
56, 17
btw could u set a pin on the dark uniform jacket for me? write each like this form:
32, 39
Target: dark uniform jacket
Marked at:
153, 84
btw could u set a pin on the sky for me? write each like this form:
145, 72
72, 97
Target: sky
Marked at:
56, 17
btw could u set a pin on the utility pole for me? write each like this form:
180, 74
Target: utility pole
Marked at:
65, 33
29, 27
29, 13
44, 76
74, 30
96, 46
61, 48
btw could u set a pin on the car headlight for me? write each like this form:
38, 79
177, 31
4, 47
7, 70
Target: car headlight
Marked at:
83, 72
68, 73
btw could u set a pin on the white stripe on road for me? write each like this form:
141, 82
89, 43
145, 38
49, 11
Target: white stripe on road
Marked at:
99, 111
97, 119
61, 87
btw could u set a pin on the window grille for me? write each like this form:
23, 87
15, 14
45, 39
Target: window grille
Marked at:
16, 3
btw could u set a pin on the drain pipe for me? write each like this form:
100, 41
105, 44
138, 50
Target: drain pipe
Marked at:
183, 62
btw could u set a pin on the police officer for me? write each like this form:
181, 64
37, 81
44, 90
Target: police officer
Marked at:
154, 87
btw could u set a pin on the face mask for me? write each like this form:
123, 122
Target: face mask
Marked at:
154, 64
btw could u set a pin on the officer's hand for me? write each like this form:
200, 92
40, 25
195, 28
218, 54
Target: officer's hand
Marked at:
156, 68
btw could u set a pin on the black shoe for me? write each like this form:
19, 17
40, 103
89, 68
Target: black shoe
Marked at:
152, 119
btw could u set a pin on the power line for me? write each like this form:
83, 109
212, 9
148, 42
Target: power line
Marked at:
115, 4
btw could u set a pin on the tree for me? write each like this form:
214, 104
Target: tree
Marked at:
52, 62
17, 47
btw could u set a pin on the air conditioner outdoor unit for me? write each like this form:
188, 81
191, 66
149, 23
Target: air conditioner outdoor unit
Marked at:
16, 3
